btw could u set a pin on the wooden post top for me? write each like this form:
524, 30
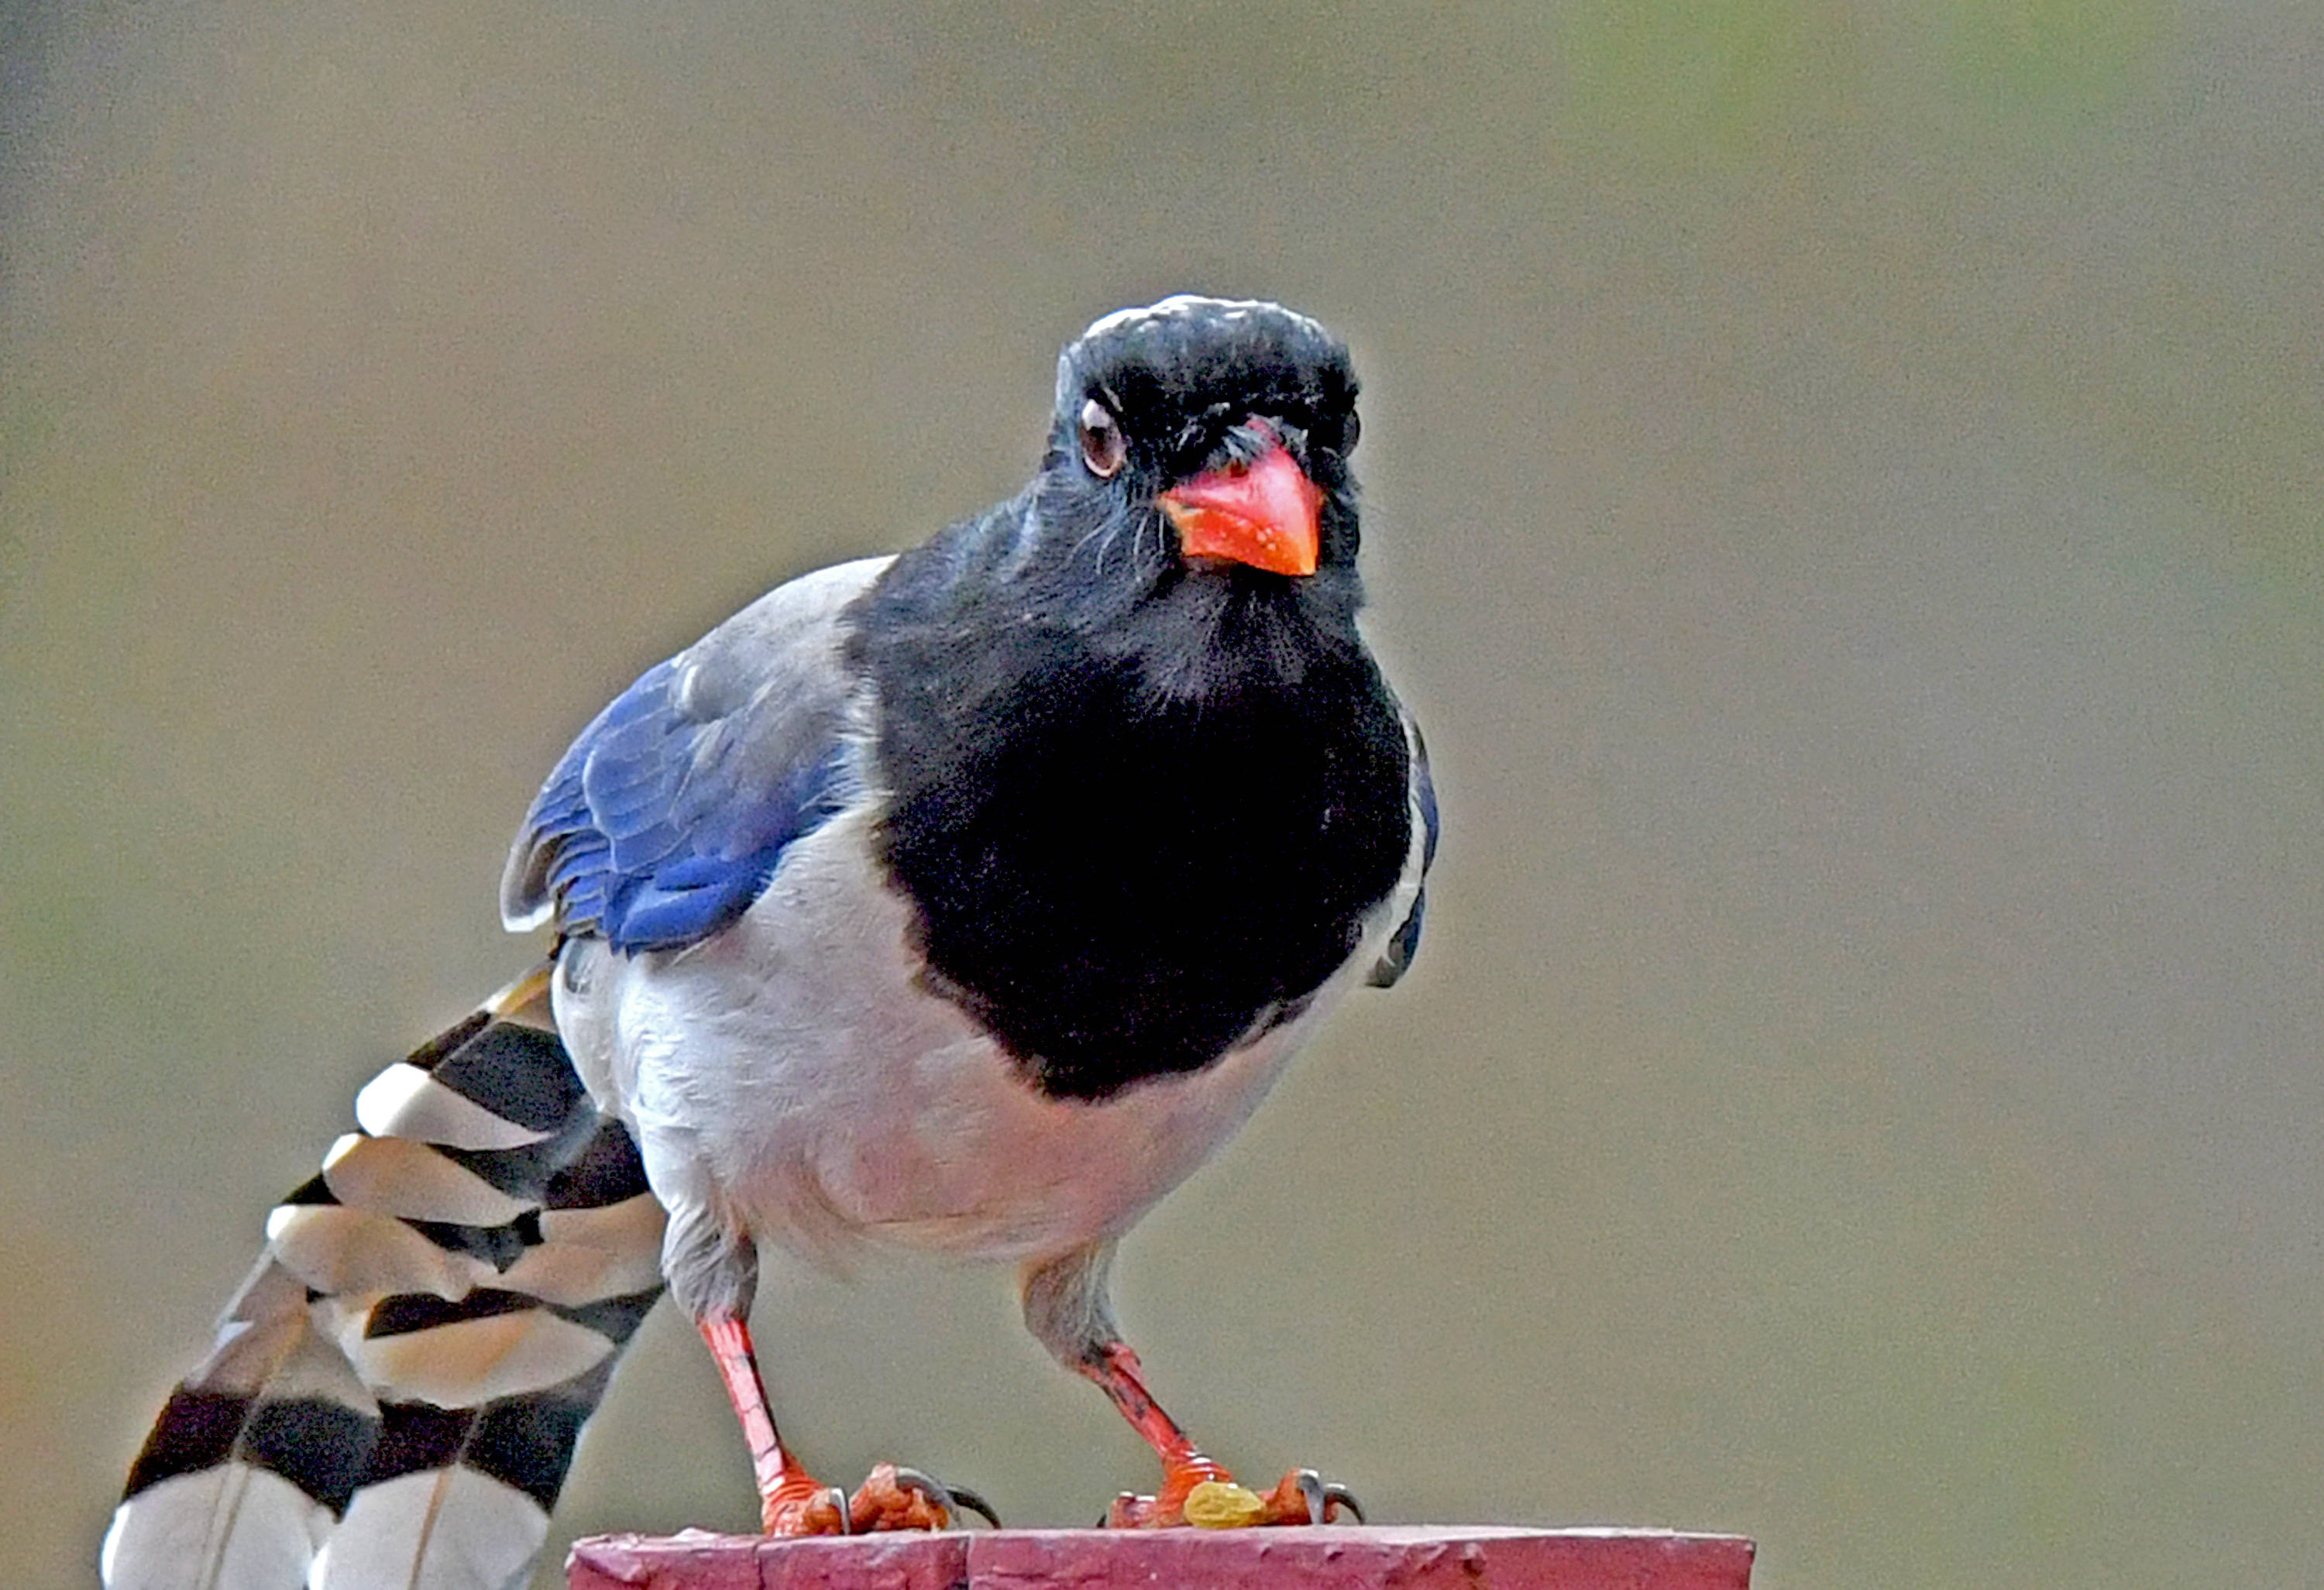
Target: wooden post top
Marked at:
1331, 1557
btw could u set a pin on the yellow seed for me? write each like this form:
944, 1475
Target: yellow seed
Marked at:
1220, 1505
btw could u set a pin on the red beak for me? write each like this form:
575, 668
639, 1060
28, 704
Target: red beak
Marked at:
1261, 513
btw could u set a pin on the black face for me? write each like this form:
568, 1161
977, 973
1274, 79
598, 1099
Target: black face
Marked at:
1142, 805
1181, 375
1150, 399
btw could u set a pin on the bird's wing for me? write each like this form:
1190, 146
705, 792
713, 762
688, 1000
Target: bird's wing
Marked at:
665, 818
1405, 942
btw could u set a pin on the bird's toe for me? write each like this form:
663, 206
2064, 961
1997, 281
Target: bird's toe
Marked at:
796, 1511
893, 1498
1210, 1499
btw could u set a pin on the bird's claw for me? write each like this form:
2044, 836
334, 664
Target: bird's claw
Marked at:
1321, 1497
952, 1500
890, 1498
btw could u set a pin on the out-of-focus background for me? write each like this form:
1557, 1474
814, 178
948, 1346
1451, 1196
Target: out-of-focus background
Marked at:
1844, 491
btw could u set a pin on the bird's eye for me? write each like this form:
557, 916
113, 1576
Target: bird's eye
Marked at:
1103, 450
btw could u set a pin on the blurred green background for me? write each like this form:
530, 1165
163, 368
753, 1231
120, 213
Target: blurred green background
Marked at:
1844, 486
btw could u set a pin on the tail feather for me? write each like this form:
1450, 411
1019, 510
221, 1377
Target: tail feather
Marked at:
458, 1496
254, 1458
395, 1394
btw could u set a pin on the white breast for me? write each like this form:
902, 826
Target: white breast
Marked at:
789, 1074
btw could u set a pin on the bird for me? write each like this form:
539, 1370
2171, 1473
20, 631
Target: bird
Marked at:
960, 901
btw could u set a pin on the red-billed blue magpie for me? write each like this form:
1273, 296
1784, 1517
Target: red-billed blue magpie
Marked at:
963, 901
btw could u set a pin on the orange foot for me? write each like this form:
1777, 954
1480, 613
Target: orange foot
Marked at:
891, 1498
1203, 1493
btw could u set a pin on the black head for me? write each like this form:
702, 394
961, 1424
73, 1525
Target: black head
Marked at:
1157, 400
1179, 375
1194, 520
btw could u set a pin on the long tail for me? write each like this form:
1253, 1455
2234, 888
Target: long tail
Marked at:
395, 1394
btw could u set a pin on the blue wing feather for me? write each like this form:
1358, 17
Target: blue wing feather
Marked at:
670, 813
706, 881
640, 852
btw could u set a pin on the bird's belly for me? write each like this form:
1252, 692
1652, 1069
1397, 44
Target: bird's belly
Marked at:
791, 1074
971, 1160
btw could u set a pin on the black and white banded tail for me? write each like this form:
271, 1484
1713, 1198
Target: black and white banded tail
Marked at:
395, 1394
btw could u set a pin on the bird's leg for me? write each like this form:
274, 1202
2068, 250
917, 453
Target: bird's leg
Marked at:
791, 1502
1067, 1309
1115, 1369
713, 1269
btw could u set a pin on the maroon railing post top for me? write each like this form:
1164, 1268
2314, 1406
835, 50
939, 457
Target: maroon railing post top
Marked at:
1329, 1558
